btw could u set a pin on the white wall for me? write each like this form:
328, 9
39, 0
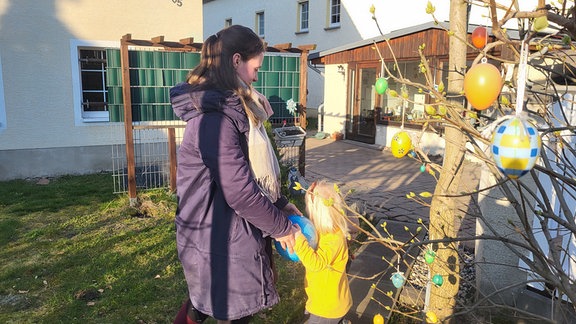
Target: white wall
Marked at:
335, 104
43, 133
36, 60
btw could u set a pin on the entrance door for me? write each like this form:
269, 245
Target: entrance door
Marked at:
360, 119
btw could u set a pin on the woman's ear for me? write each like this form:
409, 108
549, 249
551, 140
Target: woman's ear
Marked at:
236, 60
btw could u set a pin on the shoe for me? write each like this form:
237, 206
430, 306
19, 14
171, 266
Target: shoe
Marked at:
188, 315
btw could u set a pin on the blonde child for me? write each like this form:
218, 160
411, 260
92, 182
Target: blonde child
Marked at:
326, 283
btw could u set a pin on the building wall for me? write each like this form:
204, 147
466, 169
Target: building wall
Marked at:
334, 110
38, 75
281, 24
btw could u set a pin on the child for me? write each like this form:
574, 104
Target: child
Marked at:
326, 283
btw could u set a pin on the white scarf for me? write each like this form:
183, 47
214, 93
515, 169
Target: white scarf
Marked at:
263, 162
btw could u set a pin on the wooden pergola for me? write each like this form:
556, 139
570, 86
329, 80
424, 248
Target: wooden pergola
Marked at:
188, 45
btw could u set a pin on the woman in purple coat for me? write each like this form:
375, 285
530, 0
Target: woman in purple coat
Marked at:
228, 186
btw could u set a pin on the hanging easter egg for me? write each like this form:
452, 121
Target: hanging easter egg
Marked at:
482, 85
515, 147
431, 317
378, 319
429, 256
381, 85
479, 37
413, 154
309, 232
398, 279
401, 144
422, 168
437, 280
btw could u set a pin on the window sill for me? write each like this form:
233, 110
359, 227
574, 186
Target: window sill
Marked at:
332, 27
301, 32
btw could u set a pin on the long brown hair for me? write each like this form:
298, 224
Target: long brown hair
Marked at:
216, 70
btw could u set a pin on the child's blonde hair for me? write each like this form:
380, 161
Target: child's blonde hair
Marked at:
324, 207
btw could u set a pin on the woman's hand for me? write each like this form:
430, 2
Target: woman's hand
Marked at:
291, 209
287, 242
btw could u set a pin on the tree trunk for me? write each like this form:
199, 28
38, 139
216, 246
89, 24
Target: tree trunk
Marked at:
443, 221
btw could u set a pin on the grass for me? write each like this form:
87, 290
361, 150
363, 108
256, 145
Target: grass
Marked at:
71, 251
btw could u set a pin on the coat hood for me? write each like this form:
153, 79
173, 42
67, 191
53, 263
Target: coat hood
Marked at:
189, 102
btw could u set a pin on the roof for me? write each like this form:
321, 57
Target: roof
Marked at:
396, 34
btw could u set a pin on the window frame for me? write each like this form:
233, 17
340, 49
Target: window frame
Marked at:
334, 13
303, 16
260, 23
82, 117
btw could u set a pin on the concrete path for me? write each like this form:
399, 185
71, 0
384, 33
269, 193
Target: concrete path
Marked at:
381, 183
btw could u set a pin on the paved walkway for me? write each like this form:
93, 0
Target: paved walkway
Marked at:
381, 183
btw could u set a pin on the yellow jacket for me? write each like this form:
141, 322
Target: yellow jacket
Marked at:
326, 283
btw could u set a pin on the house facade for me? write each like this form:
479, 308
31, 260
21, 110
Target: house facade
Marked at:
329, 24
54, 116
326, 23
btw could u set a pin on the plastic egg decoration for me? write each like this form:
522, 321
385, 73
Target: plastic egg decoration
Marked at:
401, 144
431, 317
378, 319
381, 85
479, 37
515, 147
437, 280
482, 85
309, 232
429, 256
398, 279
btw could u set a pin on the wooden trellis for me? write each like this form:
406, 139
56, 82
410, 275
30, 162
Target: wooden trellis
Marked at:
188, 45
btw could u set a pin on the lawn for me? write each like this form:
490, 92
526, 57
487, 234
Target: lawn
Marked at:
71, 251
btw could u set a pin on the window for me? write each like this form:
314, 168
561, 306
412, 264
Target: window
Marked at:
88, 61
334, 13
228, 22
303, 16
260, 23
93, 78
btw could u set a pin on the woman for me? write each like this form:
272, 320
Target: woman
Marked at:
228, 184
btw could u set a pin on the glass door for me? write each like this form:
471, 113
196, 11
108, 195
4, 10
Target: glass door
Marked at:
361, 122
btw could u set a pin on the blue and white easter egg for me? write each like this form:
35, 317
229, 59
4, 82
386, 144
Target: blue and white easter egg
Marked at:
515, 147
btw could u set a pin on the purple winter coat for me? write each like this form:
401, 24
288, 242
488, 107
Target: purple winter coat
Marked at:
222, 217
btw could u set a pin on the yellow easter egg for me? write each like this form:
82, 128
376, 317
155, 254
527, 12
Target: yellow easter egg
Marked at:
401, 144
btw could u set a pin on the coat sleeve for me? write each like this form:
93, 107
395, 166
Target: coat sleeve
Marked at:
329, 246
221, 151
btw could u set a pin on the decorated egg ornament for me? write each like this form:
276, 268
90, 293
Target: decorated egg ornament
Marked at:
479, 37
398, 279
378, 319
429, 256
381, 85
515, 147
401, 144
431, 317
482, 85
437, 280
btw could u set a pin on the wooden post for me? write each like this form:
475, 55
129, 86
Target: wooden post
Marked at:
128, 131
303, 103
173, 157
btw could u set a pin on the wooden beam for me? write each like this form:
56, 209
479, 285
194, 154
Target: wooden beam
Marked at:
307, 48
130, 160
157, 40
187, 41
284, 46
